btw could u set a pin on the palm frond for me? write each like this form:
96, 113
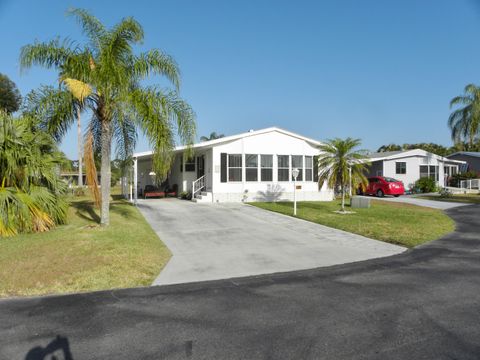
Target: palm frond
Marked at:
50, 54
160, 115
155, 62
91, 26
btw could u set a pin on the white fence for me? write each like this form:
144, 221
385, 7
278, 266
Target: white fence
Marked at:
470, 184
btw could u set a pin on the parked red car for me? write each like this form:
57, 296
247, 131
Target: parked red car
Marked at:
380, 186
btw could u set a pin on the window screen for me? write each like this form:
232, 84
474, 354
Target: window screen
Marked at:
266, 163
283, 167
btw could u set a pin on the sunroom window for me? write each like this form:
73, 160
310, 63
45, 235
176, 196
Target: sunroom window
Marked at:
308, 168
251, 167
266, 163
283, 167
297, 162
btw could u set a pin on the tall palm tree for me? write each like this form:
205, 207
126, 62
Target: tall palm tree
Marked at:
119, 103
31, 192
337, 159
213, 135
464, 122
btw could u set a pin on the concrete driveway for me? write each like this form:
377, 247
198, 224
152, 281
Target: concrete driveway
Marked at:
220, 241
408, 199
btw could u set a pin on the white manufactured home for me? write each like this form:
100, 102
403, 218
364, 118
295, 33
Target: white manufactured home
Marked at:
252, 166
410, 165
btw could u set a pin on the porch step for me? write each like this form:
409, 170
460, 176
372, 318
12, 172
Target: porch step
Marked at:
203, 197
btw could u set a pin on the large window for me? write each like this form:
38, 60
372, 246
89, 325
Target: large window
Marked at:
297, 162
283, 167
251, 167
423, 171
235, 167
430, 171
400, 168
308, 168
190, 164
266, 163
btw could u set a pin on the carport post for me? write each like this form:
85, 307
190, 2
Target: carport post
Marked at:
135, 179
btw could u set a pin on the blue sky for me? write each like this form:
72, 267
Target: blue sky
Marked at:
383, 71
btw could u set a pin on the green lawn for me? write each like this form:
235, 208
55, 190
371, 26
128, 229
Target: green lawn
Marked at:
463, 198
81, 256
396, 223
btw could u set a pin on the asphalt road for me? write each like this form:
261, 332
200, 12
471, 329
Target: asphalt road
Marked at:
421, 304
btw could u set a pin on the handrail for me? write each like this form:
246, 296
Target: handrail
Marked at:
470, 184
198, 185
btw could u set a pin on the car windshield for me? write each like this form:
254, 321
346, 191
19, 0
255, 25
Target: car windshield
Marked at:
388, 179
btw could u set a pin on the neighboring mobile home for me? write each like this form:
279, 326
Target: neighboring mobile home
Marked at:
472, 159
410, 165
252, 166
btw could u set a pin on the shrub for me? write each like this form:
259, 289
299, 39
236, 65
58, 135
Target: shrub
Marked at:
445, 193
426, 185
31, 192
186, 195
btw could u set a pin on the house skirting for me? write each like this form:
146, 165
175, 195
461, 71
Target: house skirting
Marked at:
273, 196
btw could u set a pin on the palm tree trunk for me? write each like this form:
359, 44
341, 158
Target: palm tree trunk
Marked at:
343, 197
106, 172
80, 149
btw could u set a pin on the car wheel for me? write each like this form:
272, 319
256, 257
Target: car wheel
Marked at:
380, 193
396, 195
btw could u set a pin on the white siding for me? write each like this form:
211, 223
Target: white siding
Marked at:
413, 169
273, 143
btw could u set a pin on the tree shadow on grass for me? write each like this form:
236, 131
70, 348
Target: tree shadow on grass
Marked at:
121, 208
85, 210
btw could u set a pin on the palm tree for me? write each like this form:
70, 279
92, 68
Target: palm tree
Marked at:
31, 192
120, 105
464, 122
336, 160
389, 147
213, 135
42, 104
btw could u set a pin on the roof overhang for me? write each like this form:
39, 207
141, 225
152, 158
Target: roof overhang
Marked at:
212, 143
416, 153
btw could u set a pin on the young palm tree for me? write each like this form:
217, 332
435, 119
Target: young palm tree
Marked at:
213, 135
31, 193
464, 122
108, 70
336, 158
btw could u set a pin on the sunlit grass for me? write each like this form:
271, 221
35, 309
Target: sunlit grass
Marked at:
396, 223
82, 256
